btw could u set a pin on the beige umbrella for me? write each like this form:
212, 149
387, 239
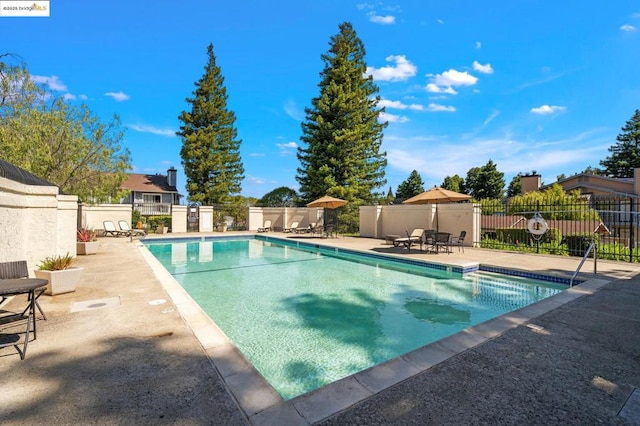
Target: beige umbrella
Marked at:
437, 195
327, 202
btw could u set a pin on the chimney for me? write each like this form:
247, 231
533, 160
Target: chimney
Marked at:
172, 176
530, 182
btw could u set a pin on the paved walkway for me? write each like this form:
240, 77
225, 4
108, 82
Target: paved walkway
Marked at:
121, 350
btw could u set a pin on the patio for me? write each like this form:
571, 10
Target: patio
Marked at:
114, 352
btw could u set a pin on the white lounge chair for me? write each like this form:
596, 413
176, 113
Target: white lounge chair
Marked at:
266, 227
128, 231
110, 229
414, 238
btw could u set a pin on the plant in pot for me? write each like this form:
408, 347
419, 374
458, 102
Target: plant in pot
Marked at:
219, 221
61, 276
87, 243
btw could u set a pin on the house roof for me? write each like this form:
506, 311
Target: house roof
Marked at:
147, 183
18, 174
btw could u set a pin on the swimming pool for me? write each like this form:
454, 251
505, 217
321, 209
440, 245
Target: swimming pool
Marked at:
305, 317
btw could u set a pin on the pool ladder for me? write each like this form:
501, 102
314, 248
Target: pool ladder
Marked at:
595, 263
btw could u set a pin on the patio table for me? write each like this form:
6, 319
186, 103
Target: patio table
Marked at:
12, 287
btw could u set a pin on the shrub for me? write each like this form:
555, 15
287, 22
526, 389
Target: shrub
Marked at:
578, 244
85, 235
56, 263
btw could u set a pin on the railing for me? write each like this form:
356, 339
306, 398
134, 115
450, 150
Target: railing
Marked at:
575, 274
612, 222
152, 209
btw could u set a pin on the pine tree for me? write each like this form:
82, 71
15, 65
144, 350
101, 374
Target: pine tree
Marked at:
515, 186
454, 183
410, 187
210, 148
485, 182
625, 154
341, 134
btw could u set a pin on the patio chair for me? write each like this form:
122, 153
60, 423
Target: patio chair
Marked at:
442, 241
305, 229
128, 231
266, 227
291, 228
458, 241
414, 238
18, 269
110, 229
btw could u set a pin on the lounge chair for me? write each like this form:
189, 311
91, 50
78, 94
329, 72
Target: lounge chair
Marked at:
266, 227
291, 228
110, 229
414, 238
128, 231
458, 241
305, 229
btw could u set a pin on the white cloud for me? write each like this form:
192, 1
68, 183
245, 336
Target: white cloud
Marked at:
53, 82
402, 70
484, 69
393, 118
440, 108
143, 128
434, 88
255, 180
361, 6
444, 83
399, 105
489, 119
256, 154
385, 20
547, 109
440, 21
627, 28
287, 145
118, 96
83, 97
68, 97
478, 45
293, 111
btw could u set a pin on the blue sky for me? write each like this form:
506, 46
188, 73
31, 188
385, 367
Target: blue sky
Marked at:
532, 85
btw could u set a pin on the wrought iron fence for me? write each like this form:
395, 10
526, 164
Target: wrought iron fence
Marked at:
611, 222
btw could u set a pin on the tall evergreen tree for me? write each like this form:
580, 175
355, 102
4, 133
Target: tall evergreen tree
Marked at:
341, 134
485, 182
210, 148
515, 186
625, 154
410, 187
454, 183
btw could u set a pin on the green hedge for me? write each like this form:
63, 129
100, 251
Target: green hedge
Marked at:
154, 221
578, 244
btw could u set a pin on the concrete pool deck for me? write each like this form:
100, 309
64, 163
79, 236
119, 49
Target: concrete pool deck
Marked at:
119, 350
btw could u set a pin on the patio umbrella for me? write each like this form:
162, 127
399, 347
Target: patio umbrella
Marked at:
437, 195
327, 202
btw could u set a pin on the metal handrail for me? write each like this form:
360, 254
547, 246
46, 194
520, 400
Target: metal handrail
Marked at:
573, 277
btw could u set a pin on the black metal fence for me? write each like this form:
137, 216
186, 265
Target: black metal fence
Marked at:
612, 223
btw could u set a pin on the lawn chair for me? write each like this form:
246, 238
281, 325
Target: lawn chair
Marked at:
128, 231
110, 229
411, 239
458, 241
266, 227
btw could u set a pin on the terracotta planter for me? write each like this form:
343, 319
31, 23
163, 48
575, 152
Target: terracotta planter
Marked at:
85, 248
63, 281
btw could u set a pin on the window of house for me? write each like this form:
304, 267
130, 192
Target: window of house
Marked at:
151, 198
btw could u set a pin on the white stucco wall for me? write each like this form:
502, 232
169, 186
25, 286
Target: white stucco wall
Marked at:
282, 217
94, 215
36, 222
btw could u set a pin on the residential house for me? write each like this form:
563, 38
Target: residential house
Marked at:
617, 199
152, 194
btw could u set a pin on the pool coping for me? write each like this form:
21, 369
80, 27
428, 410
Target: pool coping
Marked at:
262, 405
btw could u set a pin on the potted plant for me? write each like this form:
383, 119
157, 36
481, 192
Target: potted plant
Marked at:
61, 276
162, 228
87, 242
219, 221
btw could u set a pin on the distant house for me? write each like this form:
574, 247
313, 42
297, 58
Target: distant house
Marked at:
152, 194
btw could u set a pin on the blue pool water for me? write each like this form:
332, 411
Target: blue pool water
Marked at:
305, 319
